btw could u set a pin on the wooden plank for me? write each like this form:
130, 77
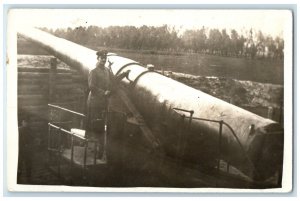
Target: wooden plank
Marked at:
33, 69
32, 75
35, 118
64, 76
33, 102
63, 104
25, 81
37, 108
36, 121
38, 75
42, 69
38, 124
64, 81
31, 97
69, 98
69, 86
33, 89
42, 81
39, 130
28, 73
77, 76
34, 92
39, 111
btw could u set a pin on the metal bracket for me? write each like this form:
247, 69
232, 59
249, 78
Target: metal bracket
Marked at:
129, 64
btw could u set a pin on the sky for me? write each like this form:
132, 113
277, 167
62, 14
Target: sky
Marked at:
270, 22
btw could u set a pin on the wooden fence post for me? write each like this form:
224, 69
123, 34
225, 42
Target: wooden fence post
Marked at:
270, 112
281, 113
52, 80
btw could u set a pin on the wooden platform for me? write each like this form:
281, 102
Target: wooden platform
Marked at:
78, 156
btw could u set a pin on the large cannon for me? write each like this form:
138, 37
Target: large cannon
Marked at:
214, 129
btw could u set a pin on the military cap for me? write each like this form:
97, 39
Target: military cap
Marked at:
101, 53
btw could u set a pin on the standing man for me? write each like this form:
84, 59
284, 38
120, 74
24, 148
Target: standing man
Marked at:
101, 84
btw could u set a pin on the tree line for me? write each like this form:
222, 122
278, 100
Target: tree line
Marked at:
165, 38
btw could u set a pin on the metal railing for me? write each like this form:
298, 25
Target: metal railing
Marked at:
65, 118
60, 147
66, 110
64, 134
62, 142
221, 125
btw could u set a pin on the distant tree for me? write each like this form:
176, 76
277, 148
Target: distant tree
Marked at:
249, 46
214, 41
240, 45
225, 43
234, 42
174, 41
279, 44
201, 40
166, 38
194, 40
260, 38
93, 34
261, 48
270, 47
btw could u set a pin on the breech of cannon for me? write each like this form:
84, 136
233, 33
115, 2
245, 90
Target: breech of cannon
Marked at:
250, 142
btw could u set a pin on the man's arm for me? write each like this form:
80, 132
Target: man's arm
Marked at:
122, 75
118, 78
115, 80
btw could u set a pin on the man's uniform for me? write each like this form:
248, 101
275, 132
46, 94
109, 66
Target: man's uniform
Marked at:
99, 82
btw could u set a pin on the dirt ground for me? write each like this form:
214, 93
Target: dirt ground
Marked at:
263, 99
238, 92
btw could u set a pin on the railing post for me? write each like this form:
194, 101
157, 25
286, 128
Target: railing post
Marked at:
220, 143
187, 132
219, 149
180, 131
85, 154
49, 146
191, 118
95, 152
49, 135
72, 150
281, 113
59, 150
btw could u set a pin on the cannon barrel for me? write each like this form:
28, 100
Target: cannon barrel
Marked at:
214, 129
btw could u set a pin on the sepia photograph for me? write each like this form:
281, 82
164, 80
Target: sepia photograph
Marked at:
182, 100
